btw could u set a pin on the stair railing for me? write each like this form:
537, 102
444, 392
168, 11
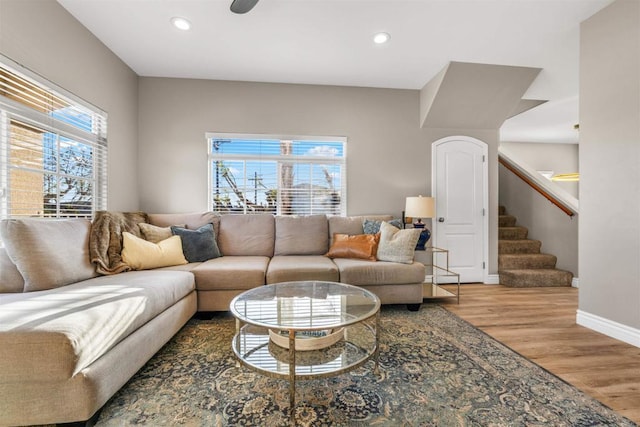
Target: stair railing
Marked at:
548, 189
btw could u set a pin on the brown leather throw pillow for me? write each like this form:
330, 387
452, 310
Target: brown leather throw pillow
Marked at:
360, 246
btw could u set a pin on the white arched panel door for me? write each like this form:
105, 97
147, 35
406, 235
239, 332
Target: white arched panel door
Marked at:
460, 189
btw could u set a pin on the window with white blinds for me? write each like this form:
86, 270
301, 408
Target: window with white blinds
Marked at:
53, 149
284, 176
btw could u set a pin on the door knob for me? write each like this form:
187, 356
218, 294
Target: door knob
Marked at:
441, 219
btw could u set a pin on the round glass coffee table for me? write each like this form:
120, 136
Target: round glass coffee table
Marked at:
306, 330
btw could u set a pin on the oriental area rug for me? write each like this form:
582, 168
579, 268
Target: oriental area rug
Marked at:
435, 370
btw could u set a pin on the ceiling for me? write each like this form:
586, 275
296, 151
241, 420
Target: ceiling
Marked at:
329, 42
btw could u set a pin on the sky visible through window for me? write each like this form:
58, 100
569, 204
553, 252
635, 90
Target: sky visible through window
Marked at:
259, 173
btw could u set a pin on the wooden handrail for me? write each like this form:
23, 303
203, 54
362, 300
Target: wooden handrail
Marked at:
536, 187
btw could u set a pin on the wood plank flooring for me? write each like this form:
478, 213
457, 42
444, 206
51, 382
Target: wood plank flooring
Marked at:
540, 324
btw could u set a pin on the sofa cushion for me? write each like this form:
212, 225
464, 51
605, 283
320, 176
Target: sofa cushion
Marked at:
155, 234
360, 246
231, 272
56, 333
361, 272
182, 267
301, 235
10, 278
48, 253
287, 268
192, 221
397, 245
247, 235
198, 245
142, 255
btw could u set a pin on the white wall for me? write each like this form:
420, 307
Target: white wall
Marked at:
388, 157
610, 166
42, 36
560, 158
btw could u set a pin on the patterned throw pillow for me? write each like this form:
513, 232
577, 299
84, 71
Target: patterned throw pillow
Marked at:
140, 254
397, 245
372, 226
198, 245
155, 234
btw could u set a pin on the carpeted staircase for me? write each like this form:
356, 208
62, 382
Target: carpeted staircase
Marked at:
520, 263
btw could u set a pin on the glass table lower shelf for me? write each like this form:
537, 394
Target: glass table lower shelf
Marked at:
254, 348
433, 291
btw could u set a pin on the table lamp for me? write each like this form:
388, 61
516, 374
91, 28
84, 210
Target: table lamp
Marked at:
420, 207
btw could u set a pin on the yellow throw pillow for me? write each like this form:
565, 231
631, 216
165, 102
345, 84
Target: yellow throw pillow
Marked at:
142, 255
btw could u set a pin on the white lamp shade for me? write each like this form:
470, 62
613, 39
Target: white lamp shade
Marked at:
420, 207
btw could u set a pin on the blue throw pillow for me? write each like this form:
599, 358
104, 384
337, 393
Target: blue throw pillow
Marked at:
198, 245
372, 226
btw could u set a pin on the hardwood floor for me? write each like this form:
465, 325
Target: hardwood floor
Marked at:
540, 324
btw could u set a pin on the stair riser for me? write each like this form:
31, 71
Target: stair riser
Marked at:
526, 261
512, 233
506, 221
519, 246
526, 279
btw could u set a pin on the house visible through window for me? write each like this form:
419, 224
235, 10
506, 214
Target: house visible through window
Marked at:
284, 176
53, 149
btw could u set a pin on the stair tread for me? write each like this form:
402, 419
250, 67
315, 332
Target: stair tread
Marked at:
506, 220
539, 255
536, 271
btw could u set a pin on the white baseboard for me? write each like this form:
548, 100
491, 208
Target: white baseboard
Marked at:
492, 279
575, 282
609, 327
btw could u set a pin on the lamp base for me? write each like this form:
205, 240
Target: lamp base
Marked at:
425, 234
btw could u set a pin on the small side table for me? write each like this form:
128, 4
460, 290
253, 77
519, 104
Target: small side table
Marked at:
432, 290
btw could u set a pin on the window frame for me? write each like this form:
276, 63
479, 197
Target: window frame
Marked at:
279, 160
12, 110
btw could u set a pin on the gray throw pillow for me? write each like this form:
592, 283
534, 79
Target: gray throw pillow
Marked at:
198, 245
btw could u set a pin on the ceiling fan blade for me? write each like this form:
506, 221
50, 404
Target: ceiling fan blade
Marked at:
242, 6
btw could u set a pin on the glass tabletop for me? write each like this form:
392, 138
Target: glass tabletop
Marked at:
305, 305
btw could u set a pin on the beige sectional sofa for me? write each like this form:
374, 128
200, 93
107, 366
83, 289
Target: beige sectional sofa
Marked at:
69, 339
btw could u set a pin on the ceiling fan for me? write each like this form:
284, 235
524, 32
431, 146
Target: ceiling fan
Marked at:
242, 6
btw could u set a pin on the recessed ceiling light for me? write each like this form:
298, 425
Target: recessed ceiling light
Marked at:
381, 38
181, 23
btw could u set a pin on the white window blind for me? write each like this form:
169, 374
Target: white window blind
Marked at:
284, 176
53, 149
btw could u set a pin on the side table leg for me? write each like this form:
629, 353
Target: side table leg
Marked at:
292, 375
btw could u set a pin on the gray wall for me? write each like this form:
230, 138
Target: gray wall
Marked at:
557, 231
42, 36
388, 157
610, 164
560, 158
